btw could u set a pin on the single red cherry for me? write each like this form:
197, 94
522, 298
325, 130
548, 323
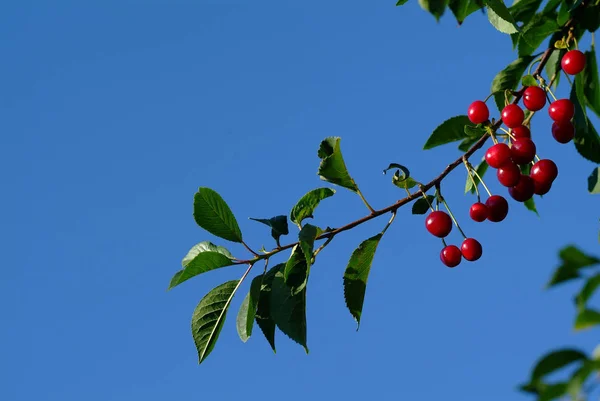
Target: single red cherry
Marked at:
544, 171
534, 98
541, 188
523, 190
522, 151
478, 212
508, 174
450, 256
478, 112
521, 132
573, 62
497, 155
561, 110
512, 116
471, 249
439, 223
563, 132
497, 208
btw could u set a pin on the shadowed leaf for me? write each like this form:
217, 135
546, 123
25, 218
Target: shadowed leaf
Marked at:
247, 312
289, 310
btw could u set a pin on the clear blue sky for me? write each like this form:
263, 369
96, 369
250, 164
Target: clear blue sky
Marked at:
113, 114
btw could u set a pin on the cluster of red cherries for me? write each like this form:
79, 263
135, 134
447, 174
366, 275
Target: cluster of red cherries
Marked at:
510, 161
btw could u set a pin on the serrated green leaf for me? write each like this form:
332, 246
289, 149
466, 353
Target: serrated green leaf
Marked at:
509, 78
590, 286
500, 17
434, 7
357, 274
203, 257
555, 360
524, 10
306, 206
530, 205
213, 214
333, 168
463, 8
421, 205
247, 312
263, 312
529, 80
535, 31
450, 130
591, 82
209, 316
594, 181
278, 224
289, 310
586, 319
481, 170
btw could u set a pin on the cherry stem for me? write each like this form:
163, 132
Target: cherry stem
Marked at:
249, 249
532, 64
480, 180
389, 223
453, 218
444, 242
319, 249
568, 79
466, 163
426, 198
365, 201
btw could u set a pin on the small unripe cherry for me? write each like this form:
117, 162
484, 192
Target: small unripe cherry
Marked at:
508, 174
471, 249
478, 212
563, 131
521, 132
512, 116
497, 208
522, 151
478, 112
523, 190
439, 223
497, 155
561, 110
450, 256
544, 171
573, 62
534, 98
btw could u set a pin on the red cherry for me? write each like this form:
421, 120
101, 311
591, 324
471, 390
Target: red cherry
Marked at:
439, 223
573, 62
521, 132
541, 188
497, 155
450, 256
523, 190
534, 98
471, 249
544, 171
508, 174
522, 151
561, 110
497, 208
478, 212
563, 132
478, 112
512, 116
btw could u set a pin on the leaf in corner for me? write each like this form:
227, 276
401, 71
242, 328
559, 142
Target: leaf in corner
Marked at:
530, 205
556, 360
587, 142
209, 316
509, 78
586, 319
463, 8
288, 310
449, 131
357, 274
434, 7
401, 2
591, 83
500, 17
306, 206
594, 181
333, 168
213, 214
247, 312
203, 257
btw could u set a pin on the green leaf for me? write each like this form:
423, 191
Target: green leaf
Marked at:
563, 14
591, 83
401, 2
308, 203
509, 78
529, 80
530, 205
307, 237
263, 312
480, 169
535, 31
278, 224
297, 267
289, 310
552, 391
434, 7
357, 274
524, 10
590, 286
589, 17
209, 316
463, 8
587, 318
562, 274
551, 5
213, 214
450, 130
594, 181
421, 206
556, 360
203, 257
466, 144
587, 142
500, 17
332, 168
247, 312
578, 99
575, 257
402, 181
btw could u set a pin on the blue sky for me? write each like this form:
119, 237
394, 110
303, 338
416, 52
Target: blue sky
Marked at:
113, 114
